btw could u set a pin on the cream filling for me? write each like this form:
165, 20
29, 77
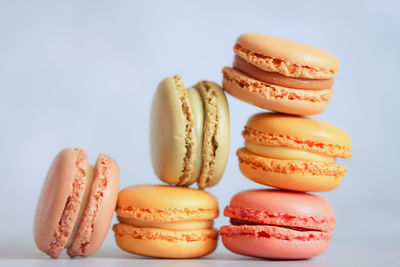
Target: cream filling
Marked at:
196, 105
280, 152
86, 194
184, 225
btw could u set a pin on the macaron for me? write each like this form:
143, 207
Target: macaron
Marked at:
278, 224
189, 135
166, 221
280, 74
293, 153
76, 204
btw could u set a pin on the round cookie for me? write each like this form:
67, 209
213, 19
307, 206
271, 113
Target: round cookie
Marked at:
280, 74
278, 224
293, 153
76, 204
166, 221
189, 136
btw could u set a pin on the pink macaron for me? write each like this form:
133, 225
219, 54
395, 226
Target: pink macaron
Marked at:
278, 224
76, 204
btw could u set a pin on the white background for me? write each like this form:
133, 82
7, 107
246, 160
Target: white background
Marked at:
83, 73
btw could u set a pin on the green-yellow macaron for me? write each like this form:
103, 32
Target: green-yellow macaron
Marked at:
189, 135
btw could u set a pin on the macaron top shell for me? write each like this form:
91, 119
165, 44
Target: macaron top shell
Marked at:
166, 203
286, 208
173, 140
60, 200
288, 57
298, 133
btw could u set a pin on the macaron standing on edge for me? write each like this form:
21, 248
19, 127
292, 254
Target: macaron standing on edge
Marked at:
280, 74
166, 221
76, 204
278, 224
189, 135
293, 153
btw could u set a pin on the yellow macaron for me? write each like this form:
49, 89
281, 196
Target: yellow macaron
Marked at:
189, 135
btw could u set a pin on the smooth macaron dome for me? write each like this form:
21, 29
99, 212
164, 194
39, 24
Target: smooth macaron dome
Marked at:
189, 135
280, 74
76, 204
278, 224
166, 221
293, 153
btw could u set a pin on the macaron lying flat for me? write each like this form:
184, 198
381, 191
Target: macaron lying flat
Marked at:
293, 153
166, 221
278, 224
280, 74
189, 132
76, 204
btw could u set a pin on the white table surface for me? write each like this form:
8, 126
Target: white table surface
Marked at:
348, 251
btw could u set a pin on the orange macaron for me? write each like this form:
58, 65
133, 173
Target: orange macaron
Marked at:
166, 221
280, 74
293, 153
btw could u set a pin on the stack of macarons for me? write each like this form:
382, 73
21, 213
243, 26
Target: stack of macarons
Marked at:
189, 143
292, 153
189, 140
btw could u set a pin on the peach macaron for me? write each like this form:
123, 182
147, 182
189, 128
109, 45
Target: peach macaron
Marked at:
76, 204
293, 153
280, 74
166, 221
278, 224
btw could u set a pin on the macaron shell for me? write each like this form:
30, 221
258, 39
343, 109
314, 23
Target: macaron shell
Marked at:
284, 208
216, 133
172, 138
60, 201
165, 243
97, 218
299, 133
297, 175
274, 97
274, 242
166, 203
288, 57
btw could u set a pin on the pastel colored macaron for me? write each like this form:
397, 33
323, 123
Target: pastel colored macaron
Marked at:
280, 74
189, 132
166, 221
76, 204
278, 224
293, 153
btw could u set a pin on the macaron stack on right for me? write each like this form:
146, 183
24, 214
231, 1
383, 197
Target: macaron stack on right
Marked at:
285, 150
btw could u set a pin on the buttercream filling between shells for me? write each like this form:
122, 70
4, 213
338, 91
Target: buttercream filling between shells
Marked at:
279, 79
285, 68
280, 152
271, 91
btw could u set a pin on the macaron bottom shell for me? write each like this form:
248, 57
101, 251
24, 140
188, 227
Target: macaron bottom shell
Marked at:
163, 243
275, 97
297, 175
274, 242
